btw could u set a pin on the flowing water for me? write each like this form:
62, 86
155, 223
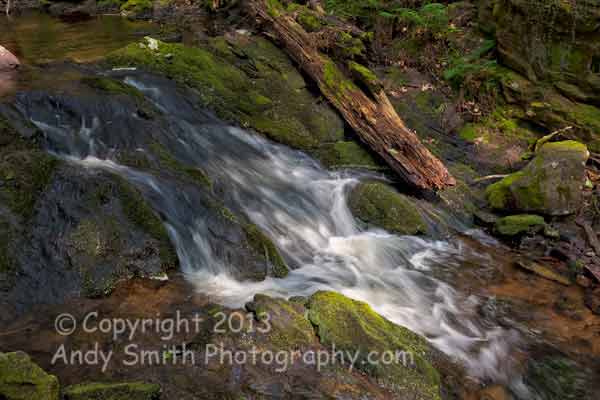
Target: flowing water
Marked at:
302, 207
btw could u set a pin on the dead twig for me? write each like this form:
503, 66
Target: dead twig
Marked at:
489, 177
591, 235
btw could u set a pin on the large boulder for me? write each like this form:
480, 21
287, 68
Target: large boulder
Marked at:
22, 379
352, 326
550, 184
246, 79
556, 41
378, 204
8, 61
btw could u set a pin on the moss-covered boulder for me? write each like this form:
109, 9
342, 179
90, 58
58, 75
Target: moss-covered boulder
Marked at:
113, 391
514, 225
287, 322
346, 154
554, 40
353, 326
245, 79
378, 204
22, 379
550, 184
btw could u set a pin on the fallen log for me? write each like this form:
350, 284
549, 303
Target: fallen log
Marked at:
361, 101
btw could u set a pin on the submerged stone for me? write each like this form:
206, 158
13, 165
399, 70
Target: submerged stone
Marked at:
22, 379
550, 184
378, 204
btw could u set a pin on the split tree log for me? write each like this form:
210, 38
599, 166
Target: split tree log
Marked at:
364, 106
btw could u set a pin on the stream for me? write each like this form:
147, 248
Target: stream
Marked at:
291, 197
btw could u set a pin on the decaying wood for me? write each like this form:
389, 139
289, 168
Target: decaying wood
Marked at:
591, 235
365, 106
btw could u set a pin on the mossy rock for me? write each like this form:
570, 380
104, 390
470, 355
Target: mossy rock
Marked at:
289, 326
22, 379
113, 391
514, 225
244, 79
143, 216
550, 184
260, 245
378, 204
167, 161
264, 247
353, 326
112, 86
558, 378
345, 154
25, 170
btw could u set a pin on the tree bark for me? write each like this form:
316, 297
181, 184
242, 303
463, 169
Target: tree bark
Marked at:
364, 106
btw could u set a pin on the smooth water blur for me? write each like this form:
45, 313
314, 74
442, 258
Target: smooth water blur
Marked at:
38, 38
303, 208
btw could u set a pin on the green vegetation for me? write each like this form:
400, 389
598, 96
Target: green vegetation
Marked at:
22, 379
519, 224
270, 96
264, 247
348, 155
549, 184
378, 204
352, 325
142, 215
112, 86
166, 160
113, 391
290, 329
137, 6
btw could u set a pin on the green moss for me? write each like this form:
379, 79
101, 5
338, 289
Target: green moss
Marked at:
348, 155
365, 76
21, 379
335, 80
309, 21
519, 224
166, 160
249, 81
557, 378
113, 391
142, 215
353, 326
264, 247
26, 174
290, 328
498, 194
137, 6
468, 133
112, 86
378, 204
